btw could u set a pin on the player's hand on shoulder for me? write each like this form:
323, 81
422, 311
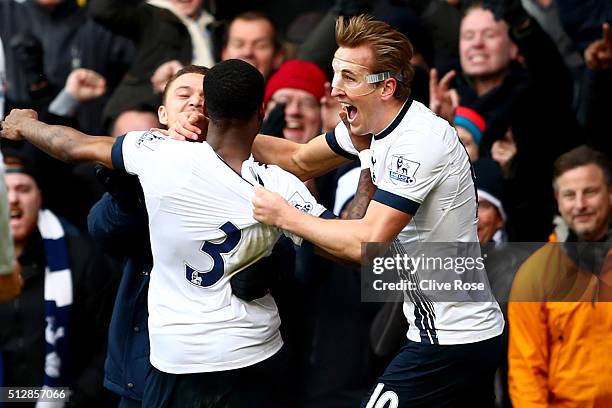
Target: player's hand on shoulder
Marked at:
10, 126
360, 142
268, 207
189, 126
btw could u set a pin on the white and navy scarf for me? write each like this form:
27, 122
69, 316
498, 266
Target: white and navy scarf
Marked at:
58, 302
58, 299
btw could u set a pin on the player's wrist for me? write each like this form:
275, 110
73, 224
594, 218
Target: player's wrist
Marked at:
365, 158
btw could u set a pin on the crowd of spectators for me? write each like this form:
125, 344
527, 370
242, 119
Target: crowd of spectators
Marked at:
523, 82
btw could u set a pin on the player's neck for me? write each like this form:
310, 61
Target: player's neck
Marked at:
387, 115
231, 145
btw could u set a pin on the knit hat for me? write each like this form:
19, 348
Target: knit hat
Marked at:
470, 120
490, 183
296, 74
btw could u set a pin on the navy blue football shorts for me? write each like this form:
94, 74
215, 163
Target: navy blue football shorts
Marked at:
433, 375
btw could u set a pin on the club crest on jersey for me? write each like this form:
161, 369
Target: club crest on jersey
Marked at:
195, 278
300, 203
402, 170
149, 140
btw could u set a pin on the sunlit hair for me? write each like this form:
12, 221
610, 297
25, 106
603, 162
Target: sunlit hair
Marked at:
392, 51
189, 69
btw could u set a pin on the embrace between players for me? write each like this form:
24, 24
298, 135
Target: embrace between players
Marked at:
200, 198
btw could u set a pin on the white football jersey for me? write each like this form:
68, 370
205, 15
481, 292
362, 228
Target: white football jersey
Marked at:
202, 232
421, 168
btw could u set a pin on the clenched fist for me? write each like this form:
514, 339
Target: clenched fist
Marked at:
11, 125
85, 84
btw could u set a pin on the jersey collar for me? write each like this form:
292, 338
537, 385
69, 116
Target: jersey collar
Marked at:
398, 118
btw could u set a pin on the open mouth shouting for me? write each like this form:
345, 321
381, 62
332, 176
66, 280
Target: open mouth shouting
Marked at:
351, 111
16, 214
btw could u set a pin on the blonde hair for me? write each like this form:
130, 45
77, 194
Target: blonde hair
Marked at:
391, 49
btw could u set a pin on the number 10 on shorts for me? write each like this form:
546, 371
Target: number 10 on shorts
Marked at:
378, 400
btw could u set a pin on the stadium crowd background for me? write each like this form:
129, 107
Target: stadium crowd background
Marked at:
521, 91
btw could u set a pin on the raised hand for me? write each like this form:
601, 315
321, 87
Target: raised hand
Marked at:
504, 150
10, 126
598, 55
442, 99
85, 84
163, 73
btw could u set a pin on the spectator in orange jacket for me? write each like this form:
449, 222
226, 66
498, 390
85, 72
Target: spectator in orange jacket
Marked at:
559, 316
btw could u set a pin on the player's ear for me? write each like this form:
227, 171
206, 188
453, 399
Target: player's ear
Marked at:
387, 89
162, 115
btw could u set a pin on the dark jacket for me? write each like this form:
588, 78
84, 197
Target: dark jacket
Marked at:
595, 108
22, 332
51, 33
159, 37
536, 102
122, 231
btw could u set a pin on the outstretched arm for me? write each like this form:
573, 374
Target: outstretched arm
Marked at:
63, 143
304, 160
307, 160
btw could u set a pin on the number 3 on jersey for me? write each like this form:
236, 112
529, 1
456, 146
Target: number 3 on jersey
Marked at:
209, 278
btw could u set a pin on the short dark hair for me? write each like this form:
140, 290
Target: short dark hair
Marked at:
188, 69
234, 89
582, 156
254, 15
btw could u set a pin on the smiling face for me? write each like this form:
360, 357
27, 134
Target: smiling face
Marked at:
302, 114
25, 201
585, 201
253, 41
184, 94
485, 49
188, 8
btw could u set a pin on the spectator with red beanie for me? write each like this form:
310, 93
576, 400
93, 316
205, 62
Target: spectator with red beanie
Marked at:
294, 93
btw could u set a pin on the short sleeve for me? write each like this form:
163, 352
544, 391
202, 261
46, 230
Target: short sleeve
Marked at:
413, 166
134, 152
340, 142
